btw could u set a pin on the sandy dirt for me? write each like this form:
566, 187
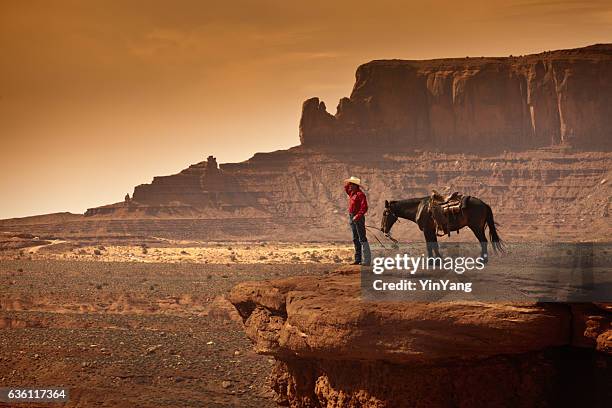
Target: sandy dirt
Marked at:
137, 334
147, 325
187, 252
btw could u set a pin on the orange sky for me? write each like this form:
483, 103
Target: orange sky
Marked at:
99, 96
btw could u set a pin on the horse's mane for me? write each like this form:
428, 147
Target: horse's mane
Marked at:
407, 201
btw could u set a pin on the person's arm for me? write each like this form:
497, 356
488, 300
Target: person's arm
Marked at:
363, 206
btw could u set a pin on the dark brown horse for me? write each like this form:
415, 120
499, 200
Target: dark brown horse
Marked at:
477, 215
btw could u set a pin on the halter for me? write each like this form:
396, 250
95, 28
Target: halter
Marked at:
397, 220
387, 235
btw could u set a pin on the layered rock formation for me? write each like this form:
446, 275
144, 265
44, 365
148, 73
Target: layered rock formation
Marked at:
547, 101
200, 185
297, 195
335, 350
483, 104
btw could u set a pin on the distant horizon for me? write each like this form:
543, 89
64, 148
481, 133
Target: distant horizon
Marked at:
100, 97
251, 154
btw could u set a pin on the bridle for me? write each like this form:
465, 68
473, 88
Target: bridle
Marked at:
382, 228
386, 214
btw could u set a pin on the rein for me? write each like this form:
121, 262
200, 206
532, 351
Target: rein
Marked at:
389, 237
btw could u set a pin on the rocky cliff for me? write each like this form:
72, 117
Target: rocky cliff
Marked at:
336, 350
480, 104
297, 195
551, 112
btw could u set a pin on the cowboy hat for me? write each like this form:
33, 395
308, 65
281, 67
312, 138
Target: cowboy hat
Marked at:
353, 180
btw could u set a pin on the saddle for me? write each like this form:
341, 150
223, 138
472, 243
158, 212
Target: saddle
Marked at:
438, 198
446, 210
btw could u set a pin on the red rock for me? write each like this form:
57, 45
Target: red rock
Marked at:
324, 318
604, 341
550, 194
481, 103
590, 323
334, 350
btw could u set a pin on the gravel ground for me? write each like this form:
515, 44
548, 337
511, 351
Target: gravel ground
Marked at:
132, 334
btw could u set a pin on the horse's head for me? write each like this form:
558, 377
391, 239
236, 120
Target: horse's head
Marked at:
388, 219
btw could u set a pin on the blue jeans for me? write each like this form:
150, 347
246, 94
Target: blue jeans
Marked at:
362, 247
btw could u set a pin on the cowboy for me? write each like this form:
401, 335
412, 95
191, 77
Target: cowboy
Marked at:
358, 206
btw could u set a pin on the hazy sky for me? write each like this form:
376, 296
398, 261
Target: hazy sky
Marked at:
99, 96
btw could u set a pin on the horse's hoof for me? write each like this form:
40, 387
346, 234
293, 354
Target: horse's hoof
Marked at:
485, 259
432, 259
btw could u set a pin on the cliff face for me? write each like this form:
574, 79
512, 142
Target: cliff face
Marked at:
560, 97
200, 185
297, 195
335, 350
525, 105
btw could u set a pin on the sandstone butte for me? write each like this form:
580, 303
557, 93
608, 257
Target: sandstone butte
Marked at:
335, 350
473, 103
530, 135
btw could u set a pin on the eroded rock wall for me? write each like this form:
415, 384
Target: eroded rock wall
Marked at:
480, 104
297, 195
392, 133
336, 350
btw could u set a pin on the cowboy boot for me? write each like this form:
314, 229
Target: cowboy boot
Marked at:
367, 255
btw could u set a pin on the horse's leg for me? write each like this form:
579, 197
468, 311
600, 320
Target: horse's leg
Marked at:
482, 238
437, 247
432, 242
428, 244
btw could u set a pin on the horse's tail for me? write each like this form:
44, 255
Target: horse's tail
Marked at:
496, 242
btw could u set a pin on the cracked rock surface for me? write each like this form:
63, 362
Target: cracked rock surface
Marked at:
333, 349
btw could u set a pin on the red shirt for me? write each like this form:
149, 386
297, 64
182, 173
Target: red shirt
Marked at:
358, 203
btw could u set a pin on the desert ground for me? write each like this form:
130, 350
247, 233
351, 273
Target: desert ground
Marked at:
140, 326
143, 325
